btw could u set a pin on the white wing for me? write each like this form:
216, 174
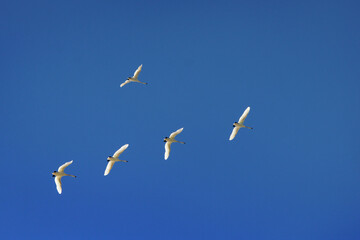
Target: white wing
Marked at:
234, 132
167, 150
176, 133
244, 115
58, 184
109, 167
118, 152
124, 83
136, 74
62, 167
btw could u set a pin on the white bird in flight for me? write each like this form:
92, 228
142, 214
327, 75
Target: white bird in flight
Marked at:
59, 174
134, 78
240, 124
115, 158
170, 140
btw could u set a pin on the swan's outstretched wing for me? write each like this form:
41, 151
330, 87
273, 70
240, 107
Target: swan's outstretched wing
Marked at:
118, 152
58, 184
109, 167
244, 115
234, 132
136, 74
62, 167
167, 150
124, 83
176, 133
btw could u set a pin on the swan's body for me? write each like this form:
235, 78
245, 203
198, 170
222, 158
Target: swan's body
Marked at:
240, 124
115, 158
169, 141
134, 78
59, 174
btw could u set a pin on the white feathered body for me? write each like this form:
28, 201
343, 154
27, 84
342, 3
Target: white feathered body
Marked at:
171, 140
61, 174
239, 125
115, 159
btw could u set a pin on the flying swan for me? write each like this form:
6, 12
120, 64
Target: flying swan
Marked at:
115, 158
59, 174
134, 78
240, 124
169, 141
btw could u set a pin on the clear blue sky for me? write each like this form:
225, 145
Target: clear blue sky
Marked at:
295, 176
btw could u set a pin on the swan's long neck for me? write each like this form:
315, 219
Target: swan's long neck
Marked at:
121, 160
70, 175
118, 160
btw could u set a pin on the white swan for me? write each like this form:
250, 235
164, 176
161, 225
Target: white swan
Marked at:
115, 158
134, 78
170, 140
240, 124
59, 174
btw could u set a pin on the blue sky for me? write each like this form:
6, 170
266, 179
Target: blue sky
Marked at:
295, 176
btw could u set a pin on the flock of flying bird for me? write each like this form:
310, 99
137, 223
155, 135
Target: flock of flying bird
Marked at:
168, 140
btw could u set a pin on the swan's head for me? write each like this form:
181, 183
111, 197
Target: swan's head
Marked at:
109, 158
165, 139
